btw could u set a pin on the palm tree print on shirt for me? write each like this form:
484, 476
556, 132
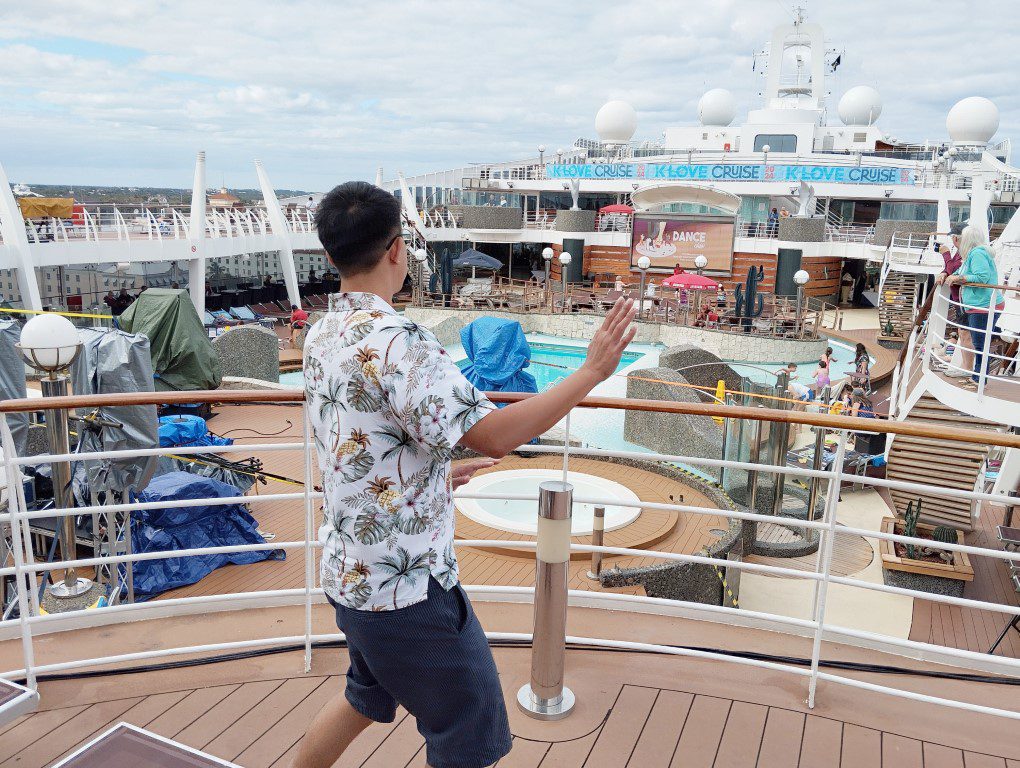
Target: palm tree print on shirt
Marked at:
402, 566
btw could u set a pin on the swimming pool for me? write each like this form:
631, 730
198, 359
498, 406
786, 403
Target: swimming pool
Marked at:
763, 373
551, 363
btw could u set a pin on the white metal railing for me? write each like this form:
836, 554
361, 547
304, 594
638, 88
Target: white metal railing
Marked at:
918, 249
104, 222
969, 358
26, 568
850, 233
614, 222
541, 219
761, 229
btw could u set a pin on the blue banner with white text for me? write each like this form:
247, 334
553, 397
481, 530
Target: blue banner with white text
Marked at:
837, 174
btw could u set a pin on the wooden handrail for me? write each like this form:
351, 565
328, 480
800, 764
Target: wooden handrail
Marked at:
825, 420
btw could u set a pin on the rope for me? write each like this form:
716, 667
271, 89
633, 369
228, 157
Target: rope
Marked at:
47, 312
711, 390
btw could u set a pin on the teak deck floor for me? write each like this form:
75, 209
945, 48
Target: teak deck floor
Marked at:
932, 622
638, 710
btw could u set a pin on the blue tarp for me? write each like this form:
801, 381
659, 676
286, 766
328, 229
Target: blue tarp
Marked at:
498, 353
187, 430
162, 530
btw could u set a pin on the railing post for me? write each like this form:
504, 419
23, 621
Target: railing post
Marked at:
545, 697
309, 532
986, 346
829, 532
598, 533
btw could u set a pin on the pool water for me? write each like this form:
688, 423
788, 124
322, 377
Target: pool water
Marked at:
764, 373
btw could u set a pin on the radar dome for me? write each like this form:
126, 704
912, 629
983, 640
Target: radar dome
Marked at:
717, 107
973, 120
860, 105
616, 122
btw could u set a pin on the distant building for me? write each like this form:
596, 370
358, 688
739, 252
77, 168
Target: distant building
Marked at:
223, 199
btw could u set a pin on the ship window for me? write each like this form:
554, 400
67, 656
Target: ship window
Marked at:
909, 211
704, 137
860, 138
777, 142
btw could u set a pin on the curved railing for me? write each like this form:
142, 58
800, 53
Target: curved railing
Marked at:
26, 568
986, 369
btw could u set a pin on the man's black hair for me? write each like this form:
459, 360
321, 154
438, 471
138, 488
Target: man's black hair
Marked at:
356, 221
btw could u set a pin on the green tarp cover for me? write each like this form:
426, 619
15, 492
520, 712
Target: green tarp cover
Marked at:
182, 356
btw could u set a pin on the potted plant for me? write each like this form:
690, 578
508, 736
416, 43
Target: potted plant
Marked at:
927, 569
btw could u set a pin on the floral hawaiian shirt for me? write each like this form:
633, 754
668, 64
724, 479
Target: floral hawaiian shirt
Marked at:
387, 406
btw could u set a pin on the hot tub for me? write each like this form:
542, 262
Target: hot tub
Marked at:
522, 516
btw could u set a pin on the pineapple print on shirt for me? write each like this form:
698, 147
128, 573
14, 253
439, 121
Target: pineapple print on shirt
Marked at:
387, 406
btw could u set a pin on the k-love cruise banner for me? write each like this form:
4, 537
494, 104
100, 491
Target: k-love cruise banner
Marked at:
838, 174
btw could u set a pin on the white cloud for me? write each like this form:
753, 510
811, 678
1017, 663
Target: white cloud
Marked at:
321, 91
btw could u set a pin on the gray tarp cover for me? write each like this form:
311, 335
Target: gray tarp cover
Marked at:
182, 356
115, 362
12, 379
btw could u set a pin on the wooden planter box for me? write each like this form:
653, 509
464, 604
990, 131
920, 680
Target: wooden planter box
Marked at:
942, 578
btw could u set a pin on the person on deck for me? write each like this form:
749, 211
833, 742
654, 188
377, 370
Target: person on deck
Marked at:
952, 261
388, 564
978, 269
298, 320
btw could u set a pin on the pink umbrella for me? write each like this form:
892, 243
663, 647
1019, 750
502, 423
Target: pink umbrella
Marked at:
691, 280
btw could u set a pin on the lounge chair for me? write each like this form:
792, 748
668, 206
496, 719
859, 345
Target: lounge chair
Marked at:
244, 314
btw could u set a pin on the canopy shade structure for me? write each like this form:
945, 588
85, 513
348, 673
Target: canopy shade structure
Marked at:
46, 207
476, 260
651, 197
616, 209
691, 280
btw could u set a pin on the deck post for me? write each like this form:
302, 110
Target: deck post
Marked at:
829, 533
545, 697
598, 531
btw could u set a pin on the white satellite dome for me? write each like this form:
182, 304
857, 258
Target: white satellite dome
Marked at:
616, 122
861, 105
973, 120
717, 107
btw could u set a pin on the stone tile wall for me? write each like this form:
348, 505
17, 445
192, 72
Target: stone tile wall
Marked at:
249, 351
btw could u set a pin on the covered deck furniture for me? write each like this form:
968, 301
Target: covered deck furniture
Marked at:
1010, 538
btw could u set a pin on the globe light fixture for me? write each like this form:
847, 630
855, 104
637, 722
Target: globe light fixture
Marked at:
50, 343
420, 257
643, 264
800, 278
564, 261
700, 262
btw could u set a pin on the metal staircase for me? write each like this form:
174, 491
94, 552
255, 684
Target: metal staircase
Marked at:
942, 463
897, 303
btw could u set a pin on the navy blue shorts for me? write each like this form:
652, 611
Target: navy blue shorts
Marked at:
432, 659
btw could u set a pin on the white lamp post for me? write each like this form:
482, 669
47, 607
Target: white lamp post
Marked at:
700, 262
643, 264
541, 154
420, 256
765, 149
547, 256
801, 278
50, 343
564, 261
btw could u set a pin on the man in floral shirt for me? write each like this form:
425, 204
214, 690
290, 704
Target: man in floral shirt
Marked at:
388, 406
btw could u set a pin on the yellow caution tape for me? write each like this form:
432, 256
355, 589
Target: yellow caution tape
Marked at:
47, 312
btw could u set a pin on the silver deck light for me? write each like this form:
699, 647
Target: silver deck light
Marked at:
545, 697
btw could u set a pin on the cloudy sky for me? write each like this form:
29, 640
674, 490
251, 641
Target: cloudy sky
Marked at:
124, 92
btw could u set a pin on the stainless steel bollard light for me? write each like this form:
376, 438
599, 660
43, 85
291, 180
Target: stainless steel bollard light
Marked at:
545, 697
598, 533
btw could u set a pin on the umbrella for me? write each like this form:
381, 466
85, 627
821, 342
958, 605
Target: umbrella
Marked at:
476, 260
616, 209
691, 280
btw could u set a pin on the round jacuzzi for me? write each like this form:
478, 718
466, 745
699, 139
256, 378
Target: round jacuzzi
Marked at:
522, 516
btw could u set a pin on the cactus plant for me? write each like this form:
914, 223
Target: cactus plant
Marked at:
945, 534
910, 525
750, 303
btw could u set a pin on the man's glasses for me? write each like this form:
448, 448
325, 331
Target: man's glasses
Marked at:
405, 234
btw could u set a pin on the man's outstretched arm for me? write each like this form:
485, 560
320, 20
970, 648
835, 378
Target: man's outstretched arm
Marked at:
503, 430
